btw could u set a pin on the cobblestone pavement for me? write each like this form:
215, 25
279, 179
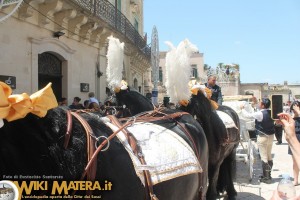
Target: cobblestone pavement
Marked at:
254, 190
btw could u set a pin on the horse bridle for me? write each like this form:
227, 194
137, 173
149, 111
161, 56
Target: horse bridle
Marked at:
93, 151
91, 172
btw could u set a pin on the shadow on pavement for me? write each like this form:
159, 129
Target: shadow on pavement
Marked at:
247, 195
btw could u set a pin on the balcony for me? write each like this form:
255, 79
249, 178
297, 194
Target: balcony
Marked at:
107, 12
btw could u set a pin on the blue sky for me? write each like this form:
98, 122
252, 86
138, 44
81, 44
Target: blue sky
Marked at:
262, 36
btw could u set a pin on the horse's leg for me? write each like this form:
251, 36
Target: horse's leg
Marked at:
232, 159
227, 174
230, 163
213, 173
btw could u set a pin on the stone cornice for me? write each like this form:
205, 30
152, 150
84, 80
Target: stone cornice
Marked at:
139, 63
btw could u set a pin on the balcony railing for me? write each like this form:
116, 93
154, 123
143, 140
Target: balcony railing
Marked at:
107, 12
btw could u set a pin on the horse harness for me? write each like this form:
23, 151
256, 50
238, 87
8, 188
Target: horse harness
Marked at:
92, 150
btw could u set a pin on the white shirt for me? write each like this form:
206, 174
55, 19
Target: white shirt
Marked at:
256, 115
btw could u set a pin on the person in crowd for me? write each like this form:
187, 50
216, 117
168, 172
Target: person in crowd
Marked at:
295, 108
286, 108
86, 104
227, 70
166, 101
76, 104
289, 126
215, 89
255, 106
278, 133
92, 98
254, 103
94, 105
291, 137
264, 126
63, 102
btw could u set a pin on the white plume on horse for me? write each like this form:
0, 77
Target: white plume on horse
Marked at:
115, 57
178, 70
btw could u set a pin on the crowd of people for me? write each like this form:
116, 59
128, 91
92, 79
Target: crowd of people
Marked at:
91, 103
266, 128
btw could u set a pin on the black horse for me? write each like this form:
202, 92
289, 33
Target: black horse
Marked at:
35, 148
222, 141
222, 144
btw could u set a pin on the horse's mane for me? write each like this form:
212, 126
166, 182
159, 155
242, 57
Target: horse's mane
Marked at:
33, 146
134, 101
200, 107
28, 134
57, 119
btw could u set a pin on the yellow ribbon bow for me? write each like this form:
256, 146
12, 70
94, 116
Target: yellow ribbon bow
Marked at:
13, 107
214, 104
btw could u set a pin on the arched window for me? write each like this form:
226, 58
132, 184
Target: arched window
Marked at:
194, 71
135, 84
160, 74
50, 70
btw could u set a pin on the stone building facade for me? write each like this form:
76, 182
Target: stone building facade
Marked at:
289, 92
65, 42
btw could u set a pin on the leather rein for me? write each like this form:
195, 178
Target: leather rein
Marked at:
93, 151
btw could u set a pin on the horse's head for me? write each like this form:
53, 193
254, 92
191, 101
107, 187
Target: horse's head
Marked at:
199, 106
134, 101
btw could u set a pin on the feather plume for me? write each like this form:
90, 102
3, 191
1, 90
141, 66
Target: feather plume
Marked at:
178, 70
115, 57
